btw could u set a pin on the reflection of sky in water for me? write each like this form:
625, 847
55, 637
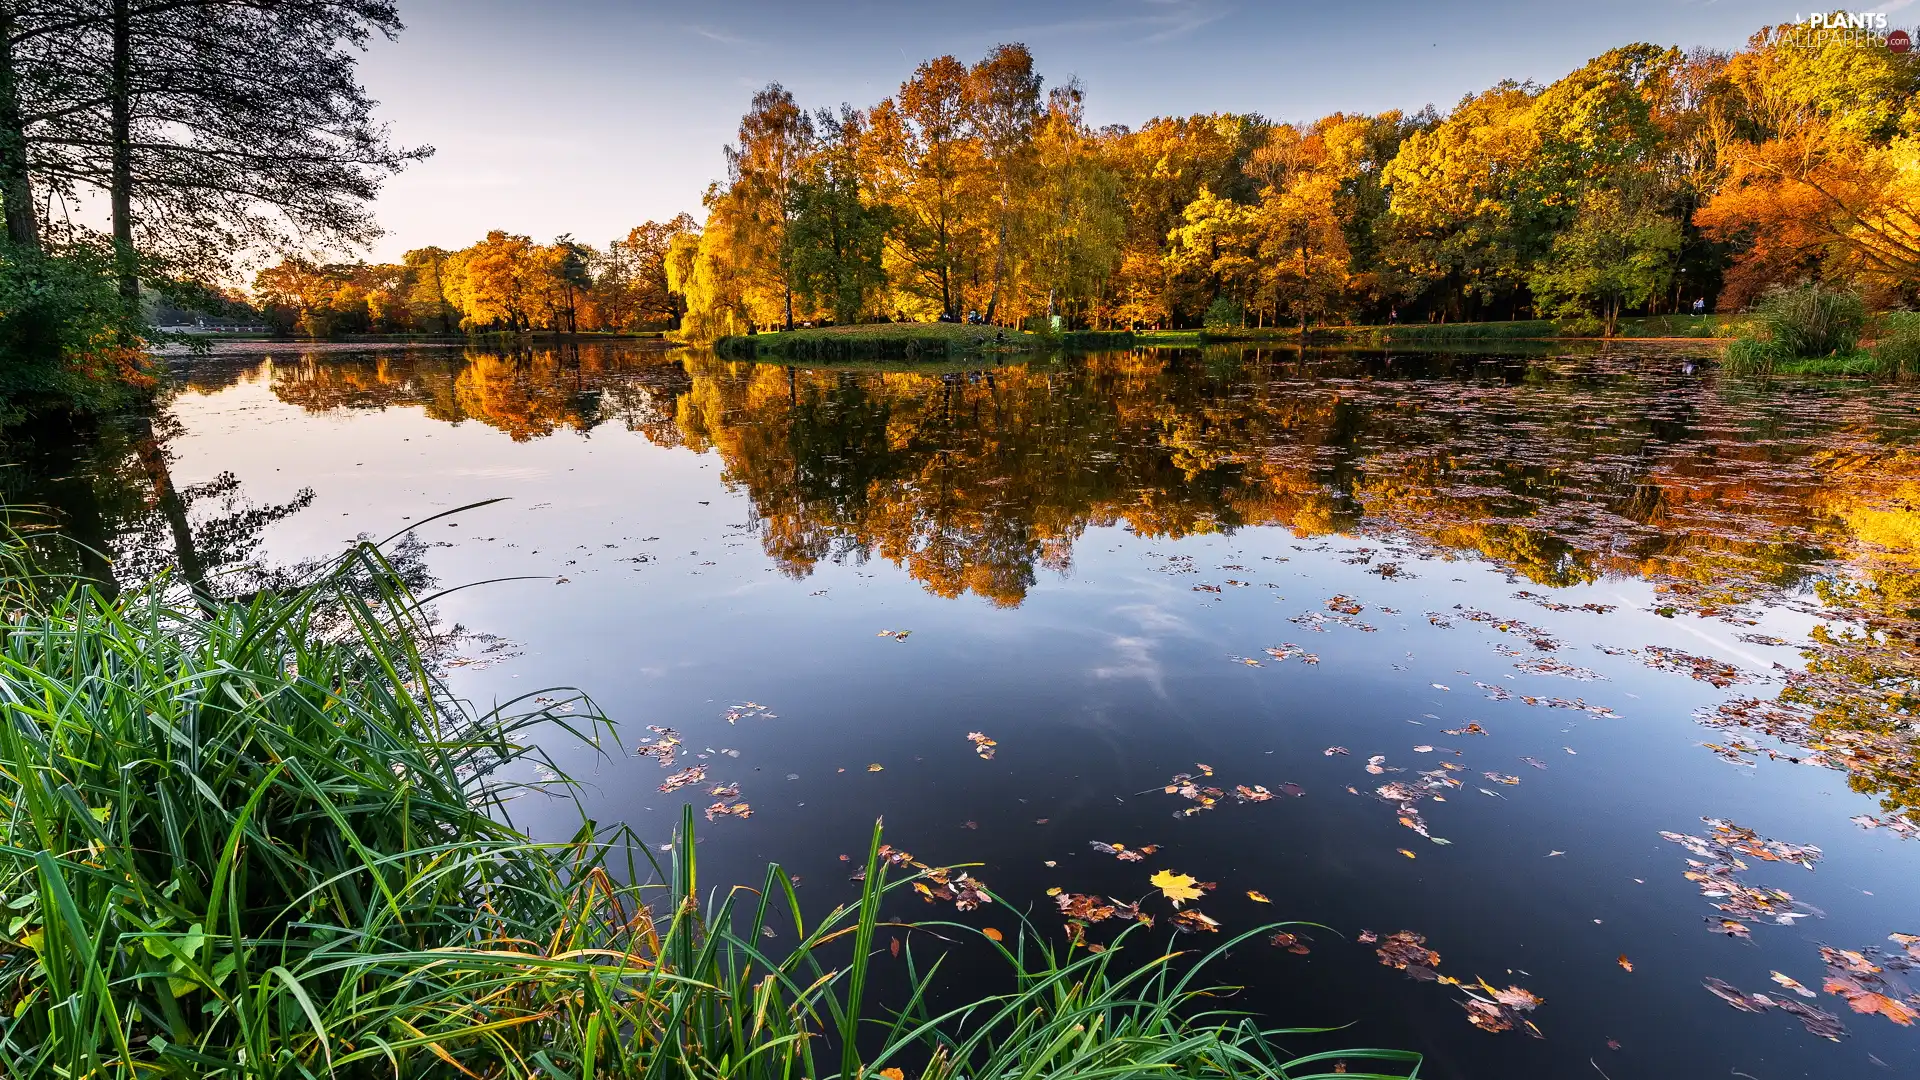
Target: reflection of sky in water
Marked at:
1108, 678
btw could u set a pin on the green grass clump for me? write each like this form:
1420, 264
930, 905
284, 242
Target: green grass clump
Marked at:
876, 341
261, 840
1897, 351
1813, 319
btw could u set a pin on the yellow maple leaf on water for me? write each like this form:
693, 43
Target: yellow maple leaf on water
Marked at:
1258, 897
1178, 887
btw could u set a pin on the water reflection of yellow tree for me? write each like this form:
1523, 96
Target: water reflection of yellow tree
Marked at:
974, 481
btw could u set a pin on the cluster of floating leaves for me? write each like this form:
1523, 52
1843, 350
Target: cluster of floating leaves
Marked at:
663, 748
1718, 856
1717, 673
1488, 1008
1123, 852
693, 774
727, 803
935, 883
1205, 797
748, 709
1872, 981
982, 745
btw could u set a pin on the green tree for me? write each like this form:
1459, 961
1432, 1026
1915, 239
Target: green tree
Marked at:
837, 238
1615, 255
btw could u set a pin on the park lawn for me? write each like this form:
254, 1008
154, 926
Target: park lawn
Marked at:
878, 340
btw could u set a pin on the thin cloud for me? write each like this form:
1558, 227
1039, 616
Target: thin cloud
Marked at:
1161, 20
722, 37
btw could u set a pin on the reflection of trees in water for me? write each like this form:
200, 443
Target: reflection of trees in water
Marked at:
120, 517
1561, 471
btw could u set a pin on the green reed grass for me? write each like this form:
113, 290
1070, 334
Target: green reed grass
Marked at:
263, 840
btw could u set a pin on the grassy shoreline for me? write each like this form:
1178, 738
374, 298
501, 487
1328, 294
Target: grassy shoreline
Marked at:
262, 839
1691, 327
908, 341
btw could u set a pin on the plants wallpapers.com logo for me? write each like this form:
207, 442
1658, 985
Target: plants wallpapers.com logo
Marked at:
1861, 29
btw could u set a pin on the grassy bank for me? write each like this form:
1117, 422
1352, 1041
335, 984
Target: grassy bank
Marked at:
263, 840
891, 341
1659, 326
1817, 329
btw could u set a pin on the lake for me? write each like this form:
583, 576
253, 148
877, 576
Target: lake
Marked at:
1591, 669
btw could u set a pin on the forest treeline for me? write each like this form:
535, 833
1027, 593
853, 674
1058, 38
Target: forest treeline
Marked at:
1643, 181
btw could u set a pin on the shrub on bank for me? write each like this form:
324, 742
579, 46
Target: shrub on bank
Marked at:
67, 340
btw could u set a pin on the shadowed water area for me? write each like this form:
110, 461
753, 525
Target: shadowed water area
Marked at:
1595, 673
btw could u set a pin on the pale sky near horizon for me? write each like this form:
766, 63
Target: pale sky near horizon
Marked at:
591, 116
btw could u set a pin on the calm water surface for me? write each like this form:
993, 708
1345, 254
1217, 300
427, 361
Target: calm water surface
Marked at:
1484, 628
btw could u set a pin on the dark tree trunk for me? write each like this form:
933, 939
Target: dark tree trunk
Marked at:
153, 458
16, 186
121, 137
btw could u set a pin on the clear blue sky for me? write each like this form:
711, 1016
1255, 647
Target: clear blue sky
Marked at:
590, 116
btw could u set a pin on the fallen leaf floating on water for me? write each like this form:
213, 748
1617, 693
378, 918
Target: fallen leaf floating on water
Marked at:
1817, 1021
1496, 1011
1470, 729
1256, 793
725, 791
992, 935
1404, 950
1293, 943
1332, 750
1423, 749
1626, 965
1287, 650
1258, 897
1124, 853
876, 767
723, 809
1736, 997
1909, 942
1192, 921
1407, 853
694, 775
1793, 984
892, 1074
1178, 888
897, 635
982, 745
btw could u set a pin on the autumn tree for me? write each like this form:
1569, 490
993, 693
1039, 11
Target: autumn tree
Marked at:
929, 177
775, 138
630, 276
1003, 105
1075, 215
1823, 168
